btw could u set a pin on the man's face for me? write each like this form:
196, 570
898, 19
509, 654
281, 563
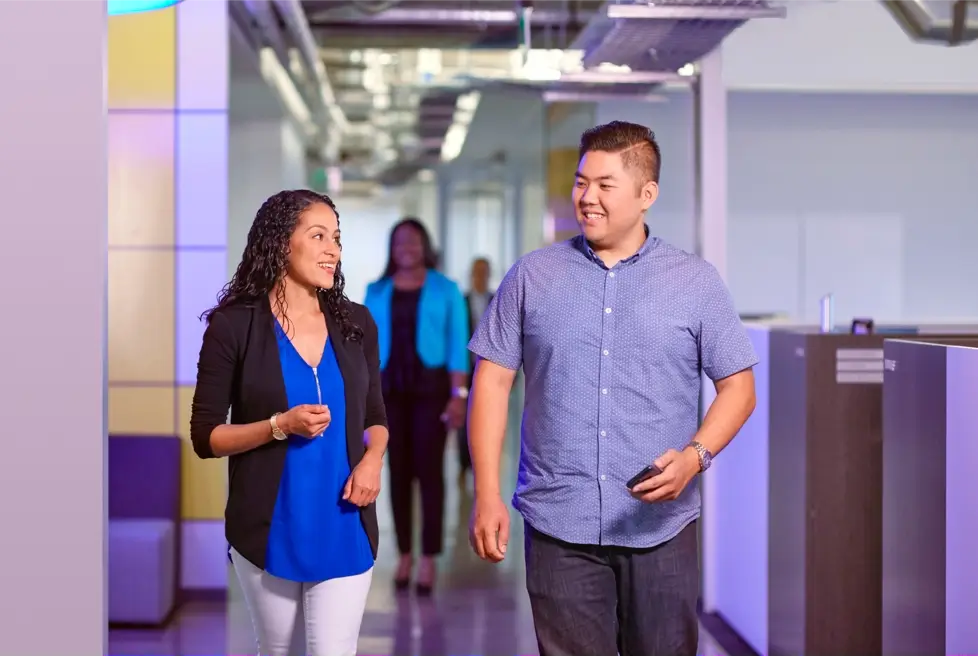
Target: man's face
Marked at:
480, 275
610, 200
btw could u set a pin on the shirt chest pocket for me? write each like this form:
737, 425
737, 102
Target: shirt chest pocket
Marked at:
653, 338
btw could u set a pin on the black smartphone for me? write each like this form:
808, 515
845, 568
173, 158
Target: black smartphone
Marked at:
647, 472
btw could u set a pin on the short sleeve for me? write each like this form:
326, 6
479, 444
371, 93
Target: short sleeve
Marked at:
499, 335
724, 346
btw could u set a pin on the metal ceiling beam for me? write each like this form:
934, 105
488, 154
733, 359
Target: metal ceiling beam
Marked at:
694, 12
918, 22
590, 96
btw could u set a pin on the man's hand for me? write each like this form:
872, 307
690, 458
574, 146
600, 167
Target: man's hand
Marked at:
678, 469
489, 528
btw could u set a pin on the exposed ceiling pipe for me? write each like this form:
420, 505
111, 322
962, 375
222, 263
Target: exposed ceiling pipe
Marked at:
431, 16
247, 42
261, 12
295, 18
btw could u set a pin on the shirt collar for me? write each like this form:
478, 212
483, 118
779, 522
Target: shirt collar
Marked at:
650, 242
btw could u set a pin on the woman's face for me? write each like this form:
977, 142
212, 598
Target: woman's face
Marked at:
408, 247
315, 247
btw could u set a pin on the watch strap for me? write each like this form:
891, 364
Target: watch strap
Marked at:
277, 433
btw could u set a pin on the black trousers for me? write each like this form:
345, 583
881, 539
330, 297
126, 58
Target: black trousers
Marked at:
416, 451
602, 600
464, 457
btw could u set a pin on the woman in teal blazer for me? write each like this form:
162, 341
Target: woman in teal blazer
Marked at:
423, 332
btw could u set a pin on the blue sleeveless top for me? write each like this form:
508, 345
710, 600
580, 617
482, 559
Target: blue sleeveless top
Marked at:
315, 534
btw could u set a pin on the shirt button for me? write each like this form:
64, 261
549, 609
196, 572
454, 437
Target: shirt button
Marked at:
607, 310
604, 433
605, 352
611, 274
604, 391
603, 477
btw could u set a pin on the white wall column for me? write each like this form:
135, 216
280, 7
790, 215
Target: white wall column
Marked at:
265, 156
422, 199
710, 143
710, 189
53, 472
443, 188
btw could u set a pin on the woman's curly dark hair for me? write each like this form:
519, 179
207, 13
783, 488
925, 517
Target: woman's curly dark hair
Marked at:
266, 256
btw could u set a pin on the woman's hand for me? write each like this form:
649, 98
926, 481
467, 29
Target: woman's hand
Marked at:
363, 485
454, 414
308, 420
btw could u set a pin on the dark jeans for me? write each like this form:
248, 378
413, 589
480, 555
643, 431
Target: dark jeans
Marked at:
602, 600
417, 451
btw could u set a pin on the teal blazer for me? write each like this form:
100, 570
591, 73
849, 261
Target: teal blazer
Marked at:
443, 322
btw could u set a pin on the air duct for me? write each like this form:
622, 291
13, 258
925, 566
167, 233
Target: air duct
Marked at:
295, 20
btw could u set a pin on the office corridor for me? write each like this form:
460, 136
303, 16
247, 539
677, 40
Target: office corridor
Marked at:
477, 608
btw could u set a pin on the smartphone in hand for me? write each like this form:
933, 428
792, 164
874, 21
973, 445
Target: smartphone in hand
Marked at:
647, 472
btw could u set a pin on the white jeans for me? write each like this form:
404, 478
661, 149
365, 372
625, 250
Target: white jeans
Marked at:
332, 610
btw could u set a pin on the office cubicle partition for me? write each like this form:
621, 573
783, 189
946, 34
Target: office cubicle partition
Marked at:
930, 497
778, 510
825, 501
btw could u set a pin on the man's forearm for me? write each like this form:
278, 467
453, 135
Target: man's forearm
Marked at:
487, 431
729, 411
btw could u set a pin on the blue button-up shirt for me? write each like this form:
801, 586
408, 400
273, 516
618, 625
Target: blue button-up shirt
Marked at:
612, 360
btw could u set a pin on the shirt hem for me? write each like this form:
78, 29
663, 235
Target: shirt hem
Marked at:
642, 544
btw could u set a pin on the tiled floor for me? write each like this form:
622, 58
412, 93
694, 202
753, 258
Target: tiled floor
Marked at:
477, 609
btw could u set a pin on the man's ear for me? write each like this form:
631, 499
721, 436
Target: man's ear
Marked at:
650, 192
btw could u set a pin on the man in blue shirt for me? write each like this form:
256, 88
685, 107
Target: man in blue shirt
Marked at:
613, 329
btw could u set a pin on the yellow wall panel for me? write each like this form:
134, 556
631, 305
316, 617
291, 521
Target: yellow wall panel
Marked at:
141, 175
141, 316
141, 410
204, 480
561, 165
143, 60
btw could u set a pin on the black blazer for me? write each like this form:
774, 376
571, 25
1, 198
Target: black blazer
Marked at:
239, 368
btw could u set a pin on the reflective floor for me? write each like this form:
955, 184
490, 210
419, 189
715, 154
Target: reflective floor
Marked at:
477, 608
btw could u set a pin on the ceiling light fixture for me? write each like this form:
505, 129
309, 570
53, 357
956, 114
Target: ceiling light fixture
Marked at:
122, 7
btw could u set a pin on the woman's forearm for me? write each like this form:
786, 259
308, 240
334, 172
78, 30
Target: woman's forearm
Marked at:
376, 441
459, 380
230, 439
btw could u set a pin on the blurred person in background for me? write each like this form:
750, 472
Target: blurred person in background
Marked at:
423, 329
613, 329
297, 363
477, 301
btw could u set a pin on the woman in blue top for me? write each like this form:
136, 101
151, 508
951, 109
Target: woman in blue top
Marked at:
297, 363
423, 332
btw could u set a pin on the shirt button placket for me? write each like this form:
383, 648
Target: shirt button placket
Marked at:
609, 295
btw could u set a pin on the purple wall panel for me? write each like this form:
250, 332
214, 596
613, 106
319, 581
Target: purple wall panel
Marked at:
200, 276
202, 180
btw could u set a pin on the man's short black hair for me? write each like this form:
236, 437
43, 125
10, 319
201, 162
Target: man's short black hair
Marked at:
636, 143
